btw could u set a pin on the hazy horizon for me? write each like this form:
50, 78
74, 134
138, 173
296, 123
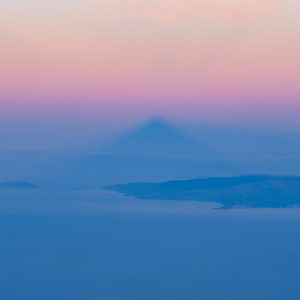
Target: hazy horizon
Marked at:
149, 150
79, 65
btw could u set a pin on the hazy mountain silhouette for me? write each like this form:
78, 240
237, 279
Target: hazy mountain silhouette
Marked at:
156, 138
155, 130
155, 150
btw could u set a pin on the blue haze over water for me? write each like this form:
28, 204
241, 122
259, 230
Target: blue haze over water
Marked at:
99, 245
72, 240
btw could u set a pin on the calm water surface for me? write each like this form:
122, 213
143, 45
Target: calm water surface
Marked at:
92, 245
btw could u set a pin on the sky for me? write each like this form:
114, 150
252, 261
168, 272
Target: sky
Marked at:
121, 60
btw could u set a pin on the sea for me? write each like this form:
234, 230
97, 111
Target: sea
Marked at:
99, 245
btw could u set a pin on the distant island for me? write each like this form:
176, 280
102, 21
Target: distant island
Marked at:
231, 192
18, 185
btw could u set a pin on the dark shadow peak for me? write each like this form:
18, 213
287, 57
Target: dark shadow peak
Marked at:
157, 138
158, 130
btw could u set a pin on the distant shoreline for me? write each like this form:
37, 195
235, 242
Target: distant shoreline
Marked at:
256, 191
18, 185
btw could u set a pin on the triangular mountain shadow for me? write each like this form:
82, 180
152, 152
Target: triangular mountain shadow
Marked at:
156, 138
155, 131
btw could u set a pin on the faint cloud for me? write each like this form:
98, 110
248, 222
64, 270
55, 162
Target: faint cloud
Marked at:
183, 10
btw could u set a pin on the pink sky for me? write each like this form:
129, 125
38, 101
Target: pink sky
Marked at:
168, 57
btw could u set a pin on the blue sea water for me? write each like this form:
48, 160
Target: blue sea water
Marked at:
93, 245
